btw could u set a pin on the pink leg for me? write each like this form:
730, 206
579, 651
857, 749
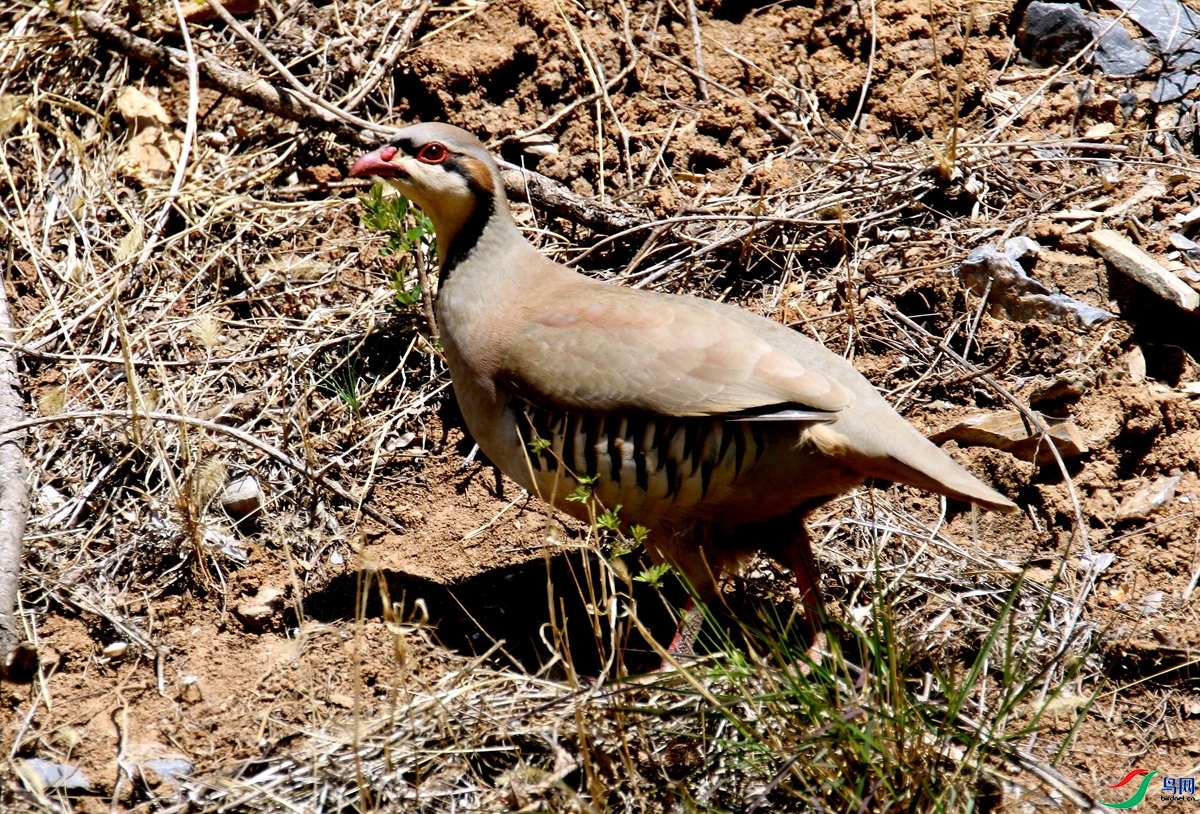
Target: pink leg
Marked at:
799, 558
684, 643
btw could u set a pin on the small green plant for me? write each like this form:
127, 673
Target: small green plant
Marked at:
343, 382
388, 215
586, 487
609, 520
408, 297
619, 543
654, 575
409, 232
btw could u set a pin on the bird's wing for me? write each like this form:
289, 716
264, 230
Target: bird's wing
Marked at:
600, 348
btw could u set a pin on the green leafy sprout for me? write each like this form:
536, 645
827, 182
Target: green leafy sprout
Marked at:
409, 231
654, 575
582, 493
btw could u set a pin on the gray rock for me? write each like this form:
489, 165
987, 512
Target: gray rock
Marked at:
1024, 250
53, 775
1053, 33
243, 497
1128, 102
1174, 85
1148, 500
156, 772
1175, 29
1013, 294
1117, 53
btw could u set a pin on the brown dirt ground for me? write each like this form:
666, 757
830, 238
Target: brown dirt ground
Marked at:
221, 690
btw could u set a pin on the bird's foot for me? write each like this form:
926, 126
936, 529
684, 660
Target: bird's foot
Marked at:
691, 620
815, 653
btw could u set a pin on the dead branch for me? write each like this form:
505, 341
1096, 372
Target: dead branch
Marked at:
524, 185
14, 494
537, 189
387, 61
307, 95
214, 73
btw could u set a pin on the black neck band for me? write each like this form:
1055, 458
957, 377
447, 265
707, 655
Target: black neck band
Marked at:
467, 239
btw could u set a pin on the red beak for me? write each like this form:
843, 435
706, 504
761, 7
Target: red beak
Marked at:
376, 163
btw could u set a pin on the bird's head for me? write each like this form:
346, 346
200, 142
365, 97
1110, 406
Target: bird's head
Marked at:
448, 173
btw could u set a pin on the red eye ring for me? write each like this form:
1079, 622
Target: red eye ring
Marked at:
433, 153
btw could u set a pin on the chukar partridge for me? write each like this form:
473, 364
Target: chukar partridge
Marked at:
715, 428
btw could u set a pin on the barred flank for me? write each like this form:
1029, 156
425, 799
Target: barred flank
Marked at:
641, 451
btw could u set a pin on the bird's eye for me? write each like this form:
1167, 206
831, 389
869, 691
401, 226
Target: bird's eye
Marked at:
433, 153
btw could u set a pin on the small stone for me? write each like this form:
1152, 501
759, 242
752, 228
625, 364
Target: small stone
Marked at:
1069, 386
49, 774
191, 691
1007, 431
1013, 294
157, 772
401, 441
243, 497
541, 150
1024, 250
1131, 261
1147, 500
1097, 563
115, 650
1173, 27
1117, 53
1135, 362
1053, 33
258, 610
1151, 603
50, 498
1183, 243
1128, 103
1188, 218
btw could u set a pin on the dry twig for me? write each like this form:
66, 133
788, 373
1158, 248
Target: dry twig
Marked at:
296, 106
14, 496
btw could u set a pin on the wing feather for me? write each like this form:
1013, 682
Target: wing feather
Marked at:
601, 348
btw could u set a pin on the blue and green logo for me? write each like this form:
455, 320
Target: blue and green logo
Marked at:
1139, 794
